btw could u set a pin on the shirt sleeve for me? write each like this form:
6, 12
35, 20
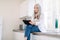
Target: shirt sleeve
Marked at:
37, 23
41, 21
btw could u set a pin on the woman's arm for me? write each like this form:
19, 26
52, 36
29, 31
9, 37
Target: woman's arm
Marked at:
34, 23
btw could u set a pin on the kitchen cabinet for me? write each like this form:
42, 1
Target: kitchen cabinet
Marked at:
45, 37
19, 35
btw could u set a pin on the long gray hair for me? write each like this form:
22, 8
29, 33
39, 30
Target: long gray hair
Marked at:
39, 12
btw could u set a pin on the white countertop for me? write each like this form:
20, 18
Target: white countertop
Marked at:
49, 33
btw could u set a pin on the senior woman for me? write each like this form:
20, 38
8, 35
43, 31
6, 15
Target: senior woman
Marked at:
35, 22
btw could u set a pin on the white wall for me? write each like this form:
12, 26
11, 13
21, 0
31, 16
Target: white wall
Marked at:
24, 9
1, 27
9, 10
50, 9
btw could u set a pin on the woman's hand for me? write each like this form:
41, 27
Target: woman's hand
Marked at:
31, 22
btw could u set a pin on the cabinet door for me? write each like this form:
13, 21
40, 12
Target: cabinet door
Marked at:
42, 37
18, 36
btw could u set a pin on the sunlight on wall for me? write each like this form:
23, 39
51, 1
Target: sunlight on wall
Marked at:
50, 9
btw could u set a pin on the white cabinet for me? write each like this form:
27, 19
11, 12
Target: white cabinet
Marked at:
44, 37
18, 36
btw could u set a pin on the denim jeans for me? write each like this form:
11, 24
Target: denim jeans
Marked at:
29, 29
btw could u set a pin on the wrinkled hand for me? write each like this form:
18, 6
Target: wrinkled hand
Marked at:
31, 22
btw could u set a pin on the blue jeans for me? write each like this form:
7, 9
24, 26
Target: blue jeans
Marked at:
29, 29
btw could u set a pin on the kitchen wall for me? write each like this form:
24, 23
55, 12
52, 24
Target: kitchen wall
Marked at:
9, 10
24, 9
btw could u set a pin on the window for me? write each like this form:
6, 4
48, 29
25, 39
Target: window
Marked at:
50, 9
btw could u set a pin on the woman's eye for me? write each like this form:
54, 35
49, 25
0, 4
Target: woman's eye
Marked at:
37, 7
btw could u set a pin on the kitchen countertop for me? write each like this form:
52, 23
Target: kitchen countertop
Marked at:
53, 34
18, 30
47, 34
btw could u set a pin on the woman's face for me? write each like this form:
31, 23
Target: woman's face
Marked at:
36, 9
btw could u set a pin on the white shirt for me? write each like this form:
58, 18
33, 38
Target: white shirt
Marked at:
40, 23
